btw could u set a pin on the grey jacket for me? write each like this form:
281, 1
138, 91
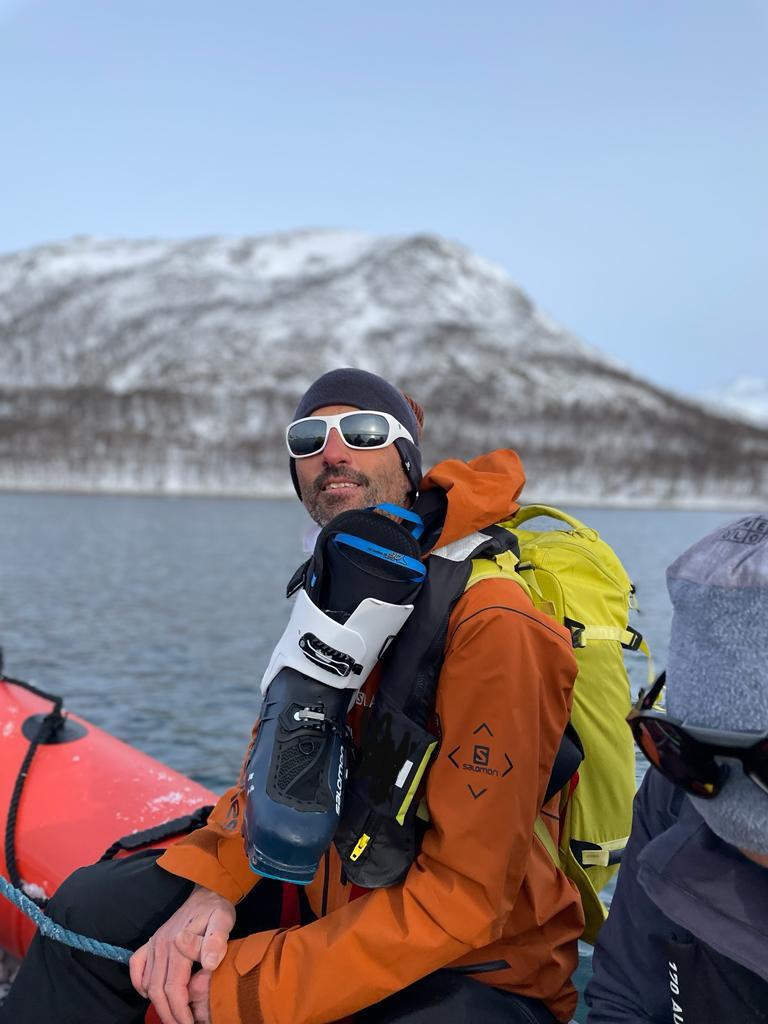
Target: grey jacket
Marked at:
686, 941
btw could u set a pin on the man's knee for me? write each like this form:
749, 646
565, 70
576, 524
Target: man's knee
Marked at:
121, 901
86, 900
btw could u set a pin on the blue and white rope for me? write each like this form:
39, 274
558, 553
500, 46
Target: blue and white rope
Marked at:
55, 931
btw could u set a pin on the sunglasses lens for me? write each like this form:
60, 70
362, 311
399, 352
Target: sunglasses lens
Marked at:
365, 430
678, 756
306, 437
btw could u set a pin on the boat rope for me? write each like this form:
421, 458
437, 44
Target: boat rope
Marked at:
48, 927
13, 889
48, 727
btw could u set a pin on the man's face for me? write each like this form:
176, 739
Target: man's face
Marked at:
340, 478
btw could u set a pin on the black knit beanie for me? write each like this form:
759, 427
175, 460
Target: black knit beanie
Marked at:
365, 390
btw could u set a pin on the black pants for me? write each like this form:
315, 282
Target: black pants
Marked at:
124, 902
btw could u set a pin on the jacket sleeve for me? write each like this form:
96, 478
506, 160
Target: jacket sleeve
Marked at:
214, 856
503, 701
630, 984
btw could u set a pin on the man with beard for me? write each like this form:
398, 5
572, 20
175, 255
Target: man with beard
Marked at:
482, 927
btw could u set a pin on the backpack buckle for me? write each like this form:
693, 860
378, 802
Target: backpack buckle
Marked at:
577, 631
634, 643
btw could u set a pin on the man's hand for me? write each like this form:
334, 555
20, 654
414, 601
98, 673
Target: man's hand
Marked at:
200, 996
161, 969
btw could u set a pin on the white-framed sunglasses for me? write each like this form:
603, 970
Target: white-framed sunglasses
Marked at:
362, 429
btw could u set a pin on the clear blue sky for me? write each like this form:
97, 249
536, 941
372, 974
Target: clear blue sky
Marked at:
612, 155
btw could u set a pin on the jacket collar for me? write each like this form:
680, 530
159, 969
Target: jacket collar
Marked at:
479, 492
710, 889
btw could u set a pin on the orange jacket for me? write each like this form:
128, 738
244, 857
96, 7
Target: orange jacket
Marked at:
482, 889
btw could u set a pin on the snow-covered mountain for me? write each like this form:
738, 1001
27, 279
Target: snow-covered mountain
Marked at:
745, 396
173, 366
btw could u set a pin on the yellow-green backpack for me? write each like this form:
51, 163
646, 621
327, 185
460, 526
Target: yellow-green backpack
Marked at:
577, 578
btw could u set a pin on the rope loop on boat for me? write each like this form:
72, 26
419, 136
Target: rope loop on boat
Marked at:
57, 932
49, 726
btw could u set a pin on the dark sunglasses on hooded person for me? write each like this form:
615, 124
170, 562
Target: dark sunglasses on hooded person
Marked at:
691, 756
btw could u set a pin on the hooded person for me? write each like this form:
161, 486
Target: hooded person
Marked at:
478, 922
687, 934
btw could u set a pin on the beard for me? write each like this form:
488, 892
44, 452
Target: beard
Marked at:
390, 485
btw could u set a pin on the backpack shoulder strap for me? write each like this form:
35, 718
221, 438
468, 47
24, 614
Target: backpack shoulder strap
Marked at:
544, 836
498, 557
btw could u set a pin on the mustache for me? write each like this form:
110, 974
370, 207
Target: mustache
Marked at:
341, 473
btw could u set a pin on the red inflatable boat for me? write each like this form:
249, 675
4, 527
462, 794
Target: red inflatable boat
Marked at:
83, 790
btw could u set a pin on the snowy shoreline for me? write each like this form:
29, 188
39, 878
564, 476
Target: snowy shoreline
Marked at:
744, 503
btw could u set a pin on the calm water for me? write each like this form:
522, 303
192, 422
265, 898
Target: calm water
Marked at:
155, 617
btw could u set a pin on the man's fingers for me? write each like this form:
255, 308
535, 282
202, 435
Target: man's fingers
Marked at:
199, 997
161, 970
214, 945
222, 919
149, 965
154, 981
214, 949
188, 944
186, 950
200, 986
136, 968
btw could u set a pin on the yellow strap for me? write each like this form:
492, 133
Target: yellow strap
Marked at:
645, 649
400, 819
544, 836
530, 578
489, 571
624, 636
502, 566
607, 633
601, 857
